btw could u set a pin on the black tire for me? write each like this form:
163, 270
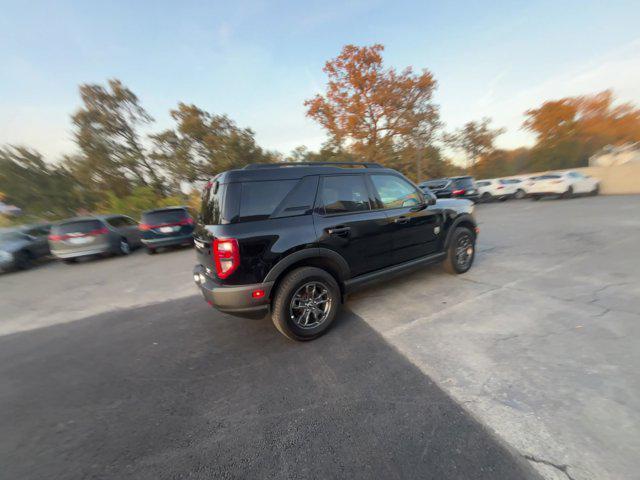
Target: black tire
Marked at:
282, 310
596, 191
151, 251
568, 193
453, 263
69, 261
23, 260
520, 194
485, 197
123, 247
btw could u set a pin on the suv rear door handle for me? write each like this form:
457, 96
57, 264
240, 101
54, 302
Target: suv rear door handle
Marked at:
340, 231
401, 219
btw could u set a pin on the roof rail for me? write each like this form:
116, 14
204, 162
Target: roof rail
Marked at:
255, 166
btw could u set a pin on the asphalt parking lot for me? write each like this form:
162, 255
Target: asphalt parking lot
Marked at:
117, 368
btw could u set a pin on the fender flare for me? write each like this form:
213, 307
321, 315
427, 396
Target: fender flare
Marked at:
463, 217
344, 271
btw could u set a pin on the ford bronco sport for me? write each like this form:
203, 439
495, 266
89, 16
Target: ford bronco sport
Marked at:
294, 239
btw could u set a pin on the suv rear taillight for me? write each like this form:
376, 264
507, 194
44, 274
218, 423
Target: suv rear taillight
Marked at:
459, 191
226, 256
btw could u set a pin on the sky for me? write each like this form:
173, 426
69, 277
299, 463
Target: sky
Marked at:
257, 61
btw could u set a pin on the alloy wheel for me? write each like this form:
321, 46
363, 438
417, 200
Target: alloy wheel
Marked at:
464, 251
310, 305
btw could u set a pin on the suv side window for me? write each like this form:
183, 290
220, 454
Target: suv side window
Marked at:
394, 192
116, 222
343, 194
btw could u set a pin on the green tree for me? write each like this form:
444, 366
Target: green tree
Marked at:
38, 187
203, 144
139, 200
475, 139
106, 131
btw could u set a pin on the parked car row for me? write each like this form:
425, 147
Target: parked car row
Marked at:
562, 184
96, 235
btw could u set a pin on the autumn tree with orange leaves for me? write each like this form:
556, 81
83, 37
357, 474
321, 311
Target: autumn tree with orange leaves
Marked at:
374, 111
570, 130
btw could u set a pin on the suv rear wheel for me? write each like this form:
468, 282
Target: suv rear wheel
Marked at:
306, 303
461, 251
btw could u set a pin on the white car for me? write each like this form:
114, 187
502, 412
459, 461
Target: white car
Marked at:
496, 189
565, 184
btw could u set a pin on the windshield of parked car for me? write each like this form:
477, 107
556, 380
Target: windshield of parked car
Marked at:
81, 226
436, 184
173, 215
11, 236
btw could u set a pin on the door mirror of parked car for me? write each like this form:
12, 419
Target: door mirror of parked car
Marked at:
429, 196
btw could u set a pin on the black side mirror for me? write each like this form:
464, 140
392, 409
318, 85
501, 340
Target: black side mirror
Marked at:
429, 197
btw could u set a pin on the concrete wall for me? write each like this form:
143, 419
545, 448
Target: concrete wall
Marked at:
616, 180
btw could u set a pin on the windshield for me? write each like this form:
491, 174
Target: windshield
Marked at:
11, 236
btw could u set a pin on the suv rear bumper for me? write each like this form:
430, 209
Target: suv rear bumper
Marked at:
234, 299
168, 241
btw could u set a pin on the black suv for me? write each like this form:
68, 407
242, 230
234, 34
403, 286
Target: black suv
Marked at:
454, 187
296, 238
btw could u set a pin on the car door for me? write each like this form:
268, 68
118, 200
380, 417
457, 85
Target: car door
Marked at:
40, 243
347, 222
586, 183
120, 227
133, 231
415, 228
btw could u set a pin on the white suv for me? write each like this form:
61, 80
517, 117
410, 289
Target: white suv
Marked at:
565, 184
497, 189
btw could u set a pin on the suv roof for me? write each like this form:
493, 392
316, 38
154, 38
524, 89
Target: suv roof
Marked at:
292, 171
90, 217
164, 209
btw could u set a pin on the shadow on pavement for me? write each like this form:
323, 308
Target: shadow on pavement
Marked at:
177, 390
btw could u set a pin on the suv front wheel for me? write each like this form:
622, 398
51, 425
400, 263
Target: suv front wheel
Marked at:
306, 303
461, 251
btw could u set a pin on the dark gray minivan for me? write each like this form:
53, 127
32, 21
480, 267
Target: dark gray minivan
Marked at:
95, 235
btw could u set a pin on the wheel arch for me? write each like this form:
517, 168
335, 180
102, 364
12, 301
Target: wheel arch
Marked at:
463, 220
324, 258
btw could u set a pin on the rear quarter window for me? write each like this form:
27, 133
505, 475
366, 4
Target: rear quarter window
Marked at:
259, 200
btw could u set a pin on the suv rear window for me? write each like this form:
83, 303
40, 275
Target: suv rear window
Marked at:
216, 208
173, 215
251, 201
83, 226
466, 182
436, 184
